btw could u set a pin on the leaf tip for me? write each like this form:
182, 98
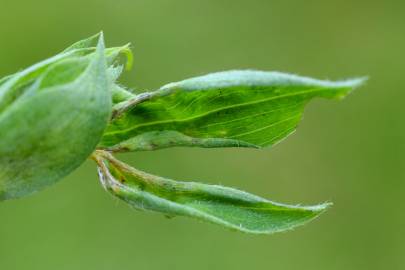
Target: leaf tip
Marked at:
126, 49
346, 87
320, 207
100, 40
356, 82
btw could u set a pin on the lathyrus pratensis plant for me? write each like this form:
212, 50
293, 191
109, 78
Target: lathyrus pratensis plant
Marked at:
61, 111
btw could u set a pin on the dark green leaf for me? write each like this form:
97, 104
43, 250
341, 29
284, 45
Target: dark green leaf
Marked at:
226, 109
228, 207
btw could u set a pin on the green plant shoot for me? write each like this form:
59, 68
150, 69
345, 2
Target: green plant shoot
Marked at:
61, 111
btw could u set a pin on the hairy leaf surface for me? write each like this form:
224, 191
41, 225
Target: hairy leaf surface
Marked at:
50, 125
57, 67
228, 207
225, 109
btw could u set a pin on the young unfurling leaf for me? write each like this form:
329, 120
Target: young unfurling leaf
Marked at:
228, 207
225, 109
52, 116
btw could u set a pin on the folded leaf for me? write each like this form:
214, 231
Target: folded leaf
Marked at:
53, 123
228, 207
83, 44
225, 109
14, 86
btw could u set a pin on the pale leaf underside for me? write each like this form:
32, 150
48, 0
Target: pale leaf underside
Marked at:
224, 206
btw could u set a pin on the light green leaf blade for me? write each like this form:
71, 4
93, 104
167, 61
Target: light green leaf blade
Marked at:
48, 132
84, 43
225, 109
120, 94
224, 206
14, 86
4, 79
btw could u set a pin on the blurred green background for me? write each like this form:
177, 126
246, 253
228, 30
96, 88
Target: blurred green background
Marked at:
348, 152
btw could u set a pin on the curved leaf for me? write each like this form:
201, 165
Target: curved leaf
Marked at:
15, 85
225, 109
46, 132
228, 207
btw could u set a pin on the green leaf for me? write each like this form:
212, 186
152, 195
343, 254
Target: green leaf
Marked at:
228, 207
84, 43
4, 79
53, 116
120, 94
14, 86
225, 109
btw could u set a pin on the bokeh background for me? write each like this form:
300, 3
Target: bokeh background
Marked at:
350, 152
